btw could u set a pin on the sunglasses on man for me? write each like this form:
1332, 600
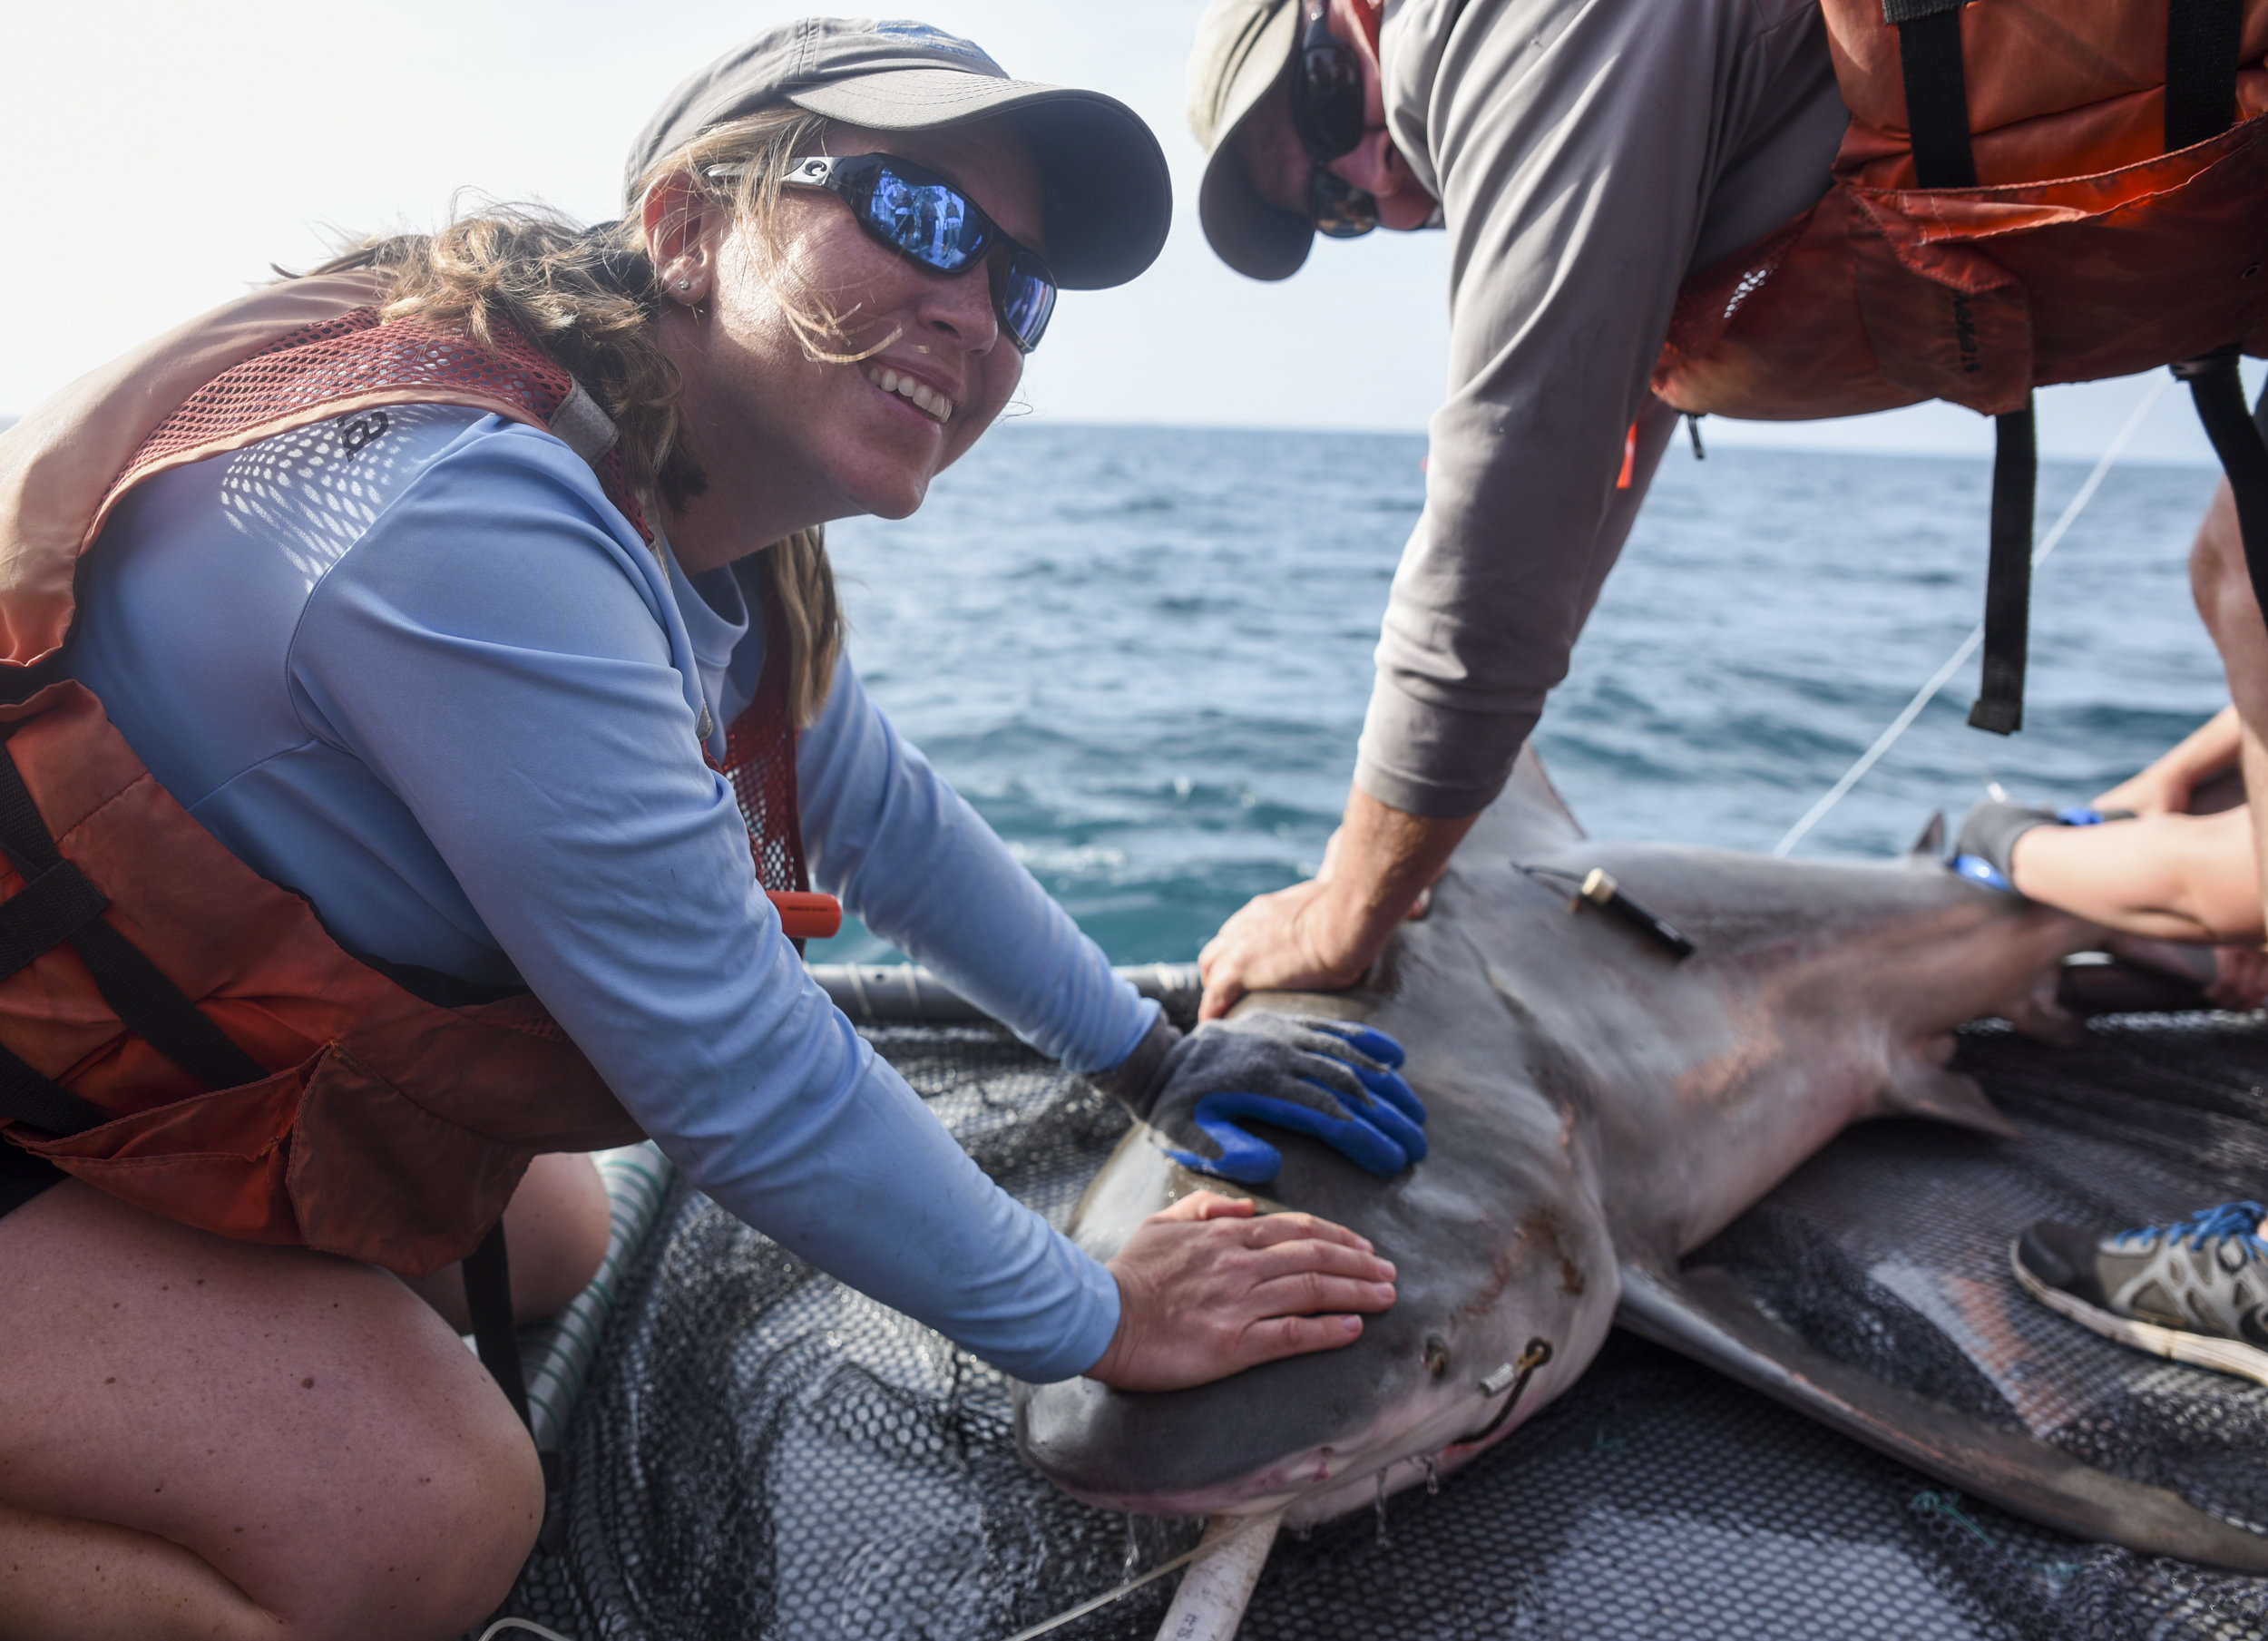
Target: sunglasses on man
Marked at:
932, 225
1327, 115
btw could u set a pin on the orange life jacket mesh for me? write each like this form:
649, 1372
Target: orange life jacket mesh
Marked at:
760, 765
355, 357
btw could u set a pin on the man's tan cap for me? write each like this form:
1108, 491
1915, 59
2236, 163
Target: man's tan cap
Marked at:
1107, 198
1243, 48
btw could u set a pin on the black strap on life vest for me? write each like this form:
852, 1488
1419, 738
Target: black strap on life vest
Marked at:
2202, 40
1999, 704
58, 904
488, 1301
1937, 90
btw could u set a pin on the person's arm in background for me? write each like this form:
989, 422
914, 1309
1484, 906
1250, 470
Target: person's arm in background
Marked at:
1581, 146
2166, 876
2165, 788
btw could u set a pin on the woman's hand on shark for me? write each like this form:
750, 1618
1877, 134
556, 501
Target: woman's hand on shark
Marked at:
1209, 1287
1327, 1079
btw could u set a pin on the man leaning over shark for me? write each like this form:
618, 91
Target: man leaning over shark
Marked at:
1659, 210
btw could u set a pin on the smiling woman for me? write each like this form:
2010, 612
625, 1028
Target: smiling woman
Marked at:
409, 772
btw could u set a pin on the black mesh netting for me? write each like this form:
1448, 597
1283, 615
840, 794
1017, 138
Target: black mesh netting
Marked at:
763, 1453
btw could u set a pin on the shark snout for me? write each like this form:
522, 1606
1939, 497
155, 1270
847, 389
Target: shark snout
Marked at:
1312, 1436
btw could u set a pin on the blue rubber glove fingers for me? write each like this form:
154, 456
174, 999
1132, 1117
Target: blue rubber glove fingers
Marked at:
1251, 1160
1389, 1116
1373, 1058
1285, 1071
1364, 1040
1388, 1087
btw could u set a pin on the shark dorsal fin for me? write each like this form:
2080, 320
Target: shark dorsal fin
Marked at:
1530, 817
1932, 842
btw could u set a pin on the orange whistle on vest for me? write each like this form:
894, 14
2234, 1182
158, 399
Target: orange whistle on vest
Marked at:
805, 915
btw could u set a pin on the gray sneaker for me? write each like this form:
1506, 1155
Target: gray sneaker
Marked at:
2195, 1291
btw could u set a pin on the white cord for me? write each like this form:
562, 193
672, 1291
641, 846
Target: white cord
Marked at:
502, 1624
1104, 1599
1943, 675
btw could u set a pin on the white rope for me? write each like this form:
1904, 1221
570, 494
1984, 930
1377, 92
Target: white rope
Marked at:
1109, 1595
505, 1624
1943, 675
1206, 1547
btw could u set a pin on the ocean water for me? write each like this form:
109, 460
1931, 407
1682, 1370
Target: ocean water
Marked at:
1144, 654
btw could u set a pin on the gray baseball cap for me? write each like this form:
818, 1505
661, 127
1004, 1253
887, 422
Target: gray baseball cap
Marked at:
1244, 49
1107, 196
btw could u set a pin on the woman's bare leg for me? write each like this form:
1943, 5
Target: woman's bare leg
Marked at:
66, 1579
555, 1230
207, 1438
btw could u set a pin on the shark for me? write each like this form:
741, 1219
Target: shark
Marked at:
1622, 1047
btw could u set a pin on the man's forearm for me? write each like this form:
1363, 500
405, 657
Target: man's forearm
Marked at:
2209, 750
1380, 862
1320, 936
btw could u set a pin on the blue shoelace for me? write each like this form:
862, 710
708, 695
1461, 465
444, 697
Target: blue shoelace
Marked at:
2238, 1221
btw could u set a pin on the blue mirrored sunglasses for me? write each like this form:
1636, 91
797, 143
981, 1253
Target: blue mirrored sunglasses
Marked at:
933, 225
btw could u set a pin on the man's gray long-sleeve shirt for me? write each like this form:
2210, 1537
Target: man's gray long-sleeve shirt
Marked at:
1586, 155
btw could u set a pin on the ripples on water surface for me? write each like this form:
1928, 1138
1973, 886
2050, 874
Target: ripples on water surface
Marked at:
1144, 654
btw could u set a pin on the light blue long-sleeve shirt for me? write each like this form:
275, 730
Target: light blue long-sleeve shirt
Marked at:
412, 665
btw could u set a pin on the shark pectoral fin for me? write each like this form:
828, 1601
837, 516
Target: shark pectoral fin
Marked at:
2039, 1015
1706, 1315
1919, 1089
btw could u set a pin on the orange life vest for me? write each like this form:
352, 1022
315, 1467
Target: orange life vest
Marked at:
174, 1029
2084, 249
2030, 192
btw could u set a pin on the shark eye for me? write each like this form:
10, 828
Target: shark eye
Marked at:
1436, 1358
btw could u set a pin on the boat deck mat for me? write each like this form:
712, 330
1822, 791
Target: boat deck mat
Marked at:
762, 1453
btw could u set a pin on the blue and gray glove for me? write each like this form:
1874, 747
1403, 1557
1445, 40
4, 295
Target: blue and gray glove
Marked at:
1988, 837
1323, 1077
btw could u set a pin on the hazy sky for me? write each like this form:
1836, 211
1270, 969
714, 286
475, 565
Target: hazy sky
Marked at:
161, 156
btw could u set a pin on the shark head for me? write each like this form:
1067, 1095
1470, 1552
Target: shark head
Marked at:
1507, 1283
1507, 1279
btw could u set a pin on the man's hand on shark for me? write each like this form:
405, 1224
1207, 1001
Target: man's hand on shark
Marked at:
1324, 935
1209, 1287
1322, 1078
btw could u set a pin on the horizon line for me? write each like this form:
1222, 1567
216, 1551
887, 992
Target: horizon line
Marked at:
1741, 442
